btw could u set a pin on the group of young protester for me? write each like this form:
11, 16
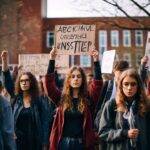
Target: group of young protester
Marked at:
78, 116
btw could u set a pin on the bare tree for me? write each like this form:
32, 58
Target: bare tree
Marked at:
132, 9
141, 7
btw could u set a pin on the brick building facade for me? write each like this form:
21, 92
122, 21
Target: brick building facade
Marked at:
124, 35
25, 29
20, 27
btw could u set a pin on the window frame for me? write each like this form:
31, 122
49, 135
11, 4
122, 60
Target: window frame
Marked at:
114, 37
85, 61
48, 44
103, 42
138, 36
126, 37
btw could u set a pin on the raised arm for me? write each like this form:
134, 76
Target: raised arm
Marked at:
4, 57
96, 85
6, 76
144, 69
50, 86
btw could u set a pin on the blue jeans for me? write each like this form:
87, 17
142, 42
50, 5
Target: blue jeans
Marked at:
68, 143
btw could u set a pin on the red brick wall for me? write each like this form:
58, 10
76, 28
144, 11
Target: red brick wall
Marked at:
20, 27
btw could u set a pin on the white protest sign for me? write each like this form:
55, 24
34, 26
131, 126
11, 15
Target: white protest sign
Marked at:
147, 49
108, 61
38, 63
74, 39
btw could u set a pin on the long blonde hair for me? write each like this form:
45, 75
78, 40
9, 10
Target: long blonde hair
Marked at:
140, 94
66, 99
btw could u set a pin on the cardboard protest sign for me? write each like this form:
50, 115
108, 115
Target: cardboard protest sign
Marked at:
147, 49
108, 61
74, 39
38, 63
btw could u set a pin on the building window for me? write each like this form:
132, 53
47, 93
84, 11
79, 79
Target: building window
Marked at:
102, 42
126, 38
50, 39
85, 61
114, 38
138, 38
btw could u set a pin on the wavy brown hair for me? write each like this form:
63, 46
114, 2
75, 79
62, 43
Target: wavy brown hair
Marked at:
67, 93
140, 94
34, 88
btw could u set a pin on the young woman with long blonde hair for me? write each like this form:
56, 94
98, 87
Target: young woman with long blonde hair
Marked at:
123, 121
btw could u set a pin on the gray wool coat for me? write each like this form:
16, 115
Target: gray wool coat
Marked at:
112, 132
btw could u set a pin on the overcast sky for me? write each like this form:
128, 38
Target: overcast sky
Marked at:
90, 8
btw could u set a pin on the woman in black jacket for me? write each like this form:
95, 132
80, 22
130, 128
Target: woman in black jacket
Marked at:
30, 111
123, 120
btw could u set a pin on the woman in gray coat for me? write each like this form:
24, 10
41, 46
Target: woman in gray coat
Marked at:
123, 124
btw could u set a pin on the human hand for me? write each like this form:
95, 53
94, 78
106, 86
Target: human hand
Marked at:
52, 54
4, 55
133, 133
144, 60
95, 55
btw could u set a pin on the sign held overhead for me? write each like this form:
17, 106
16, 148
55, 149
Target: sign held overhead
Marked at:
108, 61
74, 39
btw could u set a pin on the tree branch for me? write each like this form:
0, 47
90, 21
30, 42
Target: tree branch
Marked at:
146, 5
141, 7
121, 9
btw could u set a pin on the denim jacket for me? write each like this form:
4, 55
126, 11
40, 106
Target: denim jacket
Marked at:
7, 141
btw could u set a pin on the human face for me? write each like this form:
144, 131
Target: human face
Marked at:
129, 86
76, 79
24, 82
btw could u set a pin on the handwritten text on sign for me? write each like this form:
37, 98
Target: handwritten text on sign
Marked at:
74, 39
38, 63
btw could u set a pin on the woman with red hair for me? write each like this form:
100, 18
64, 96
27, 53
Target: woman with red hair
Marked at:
72, 127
